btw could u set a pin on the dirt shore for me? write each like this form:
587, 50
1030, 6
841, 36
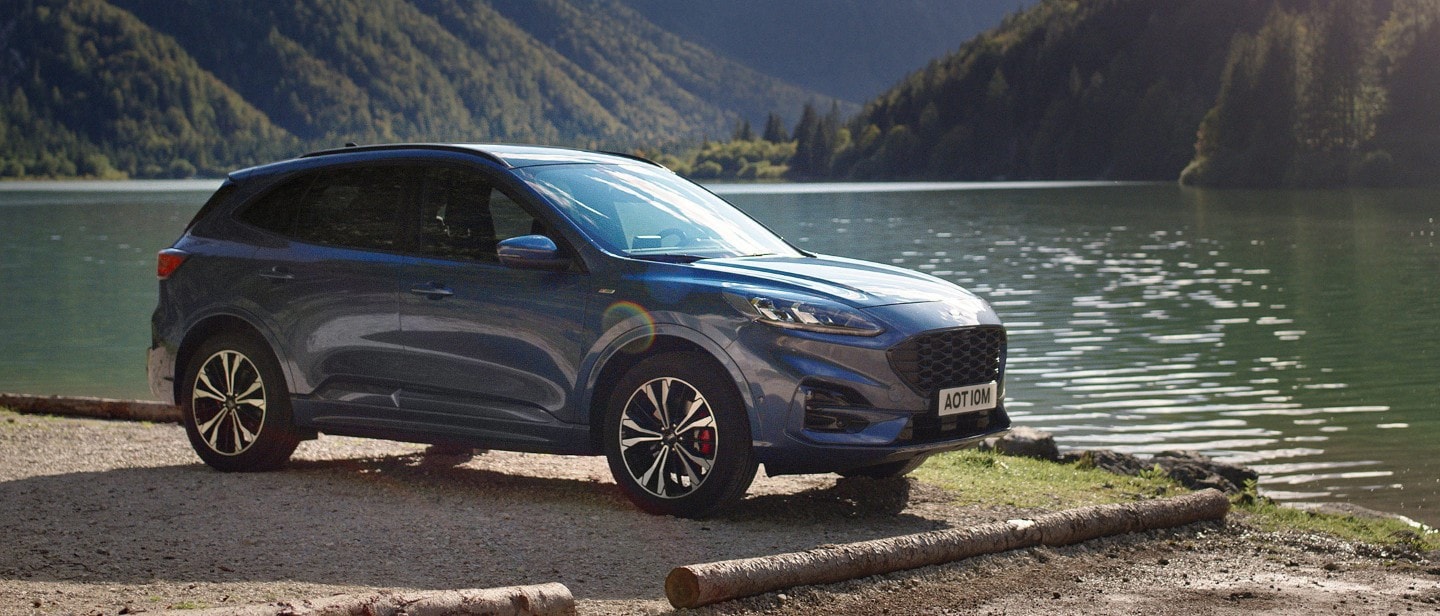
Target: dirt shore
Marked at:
103, 517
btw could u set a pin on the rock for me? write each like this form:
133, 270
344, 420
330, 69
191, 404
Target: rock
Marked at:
1113, 461
1197, 472
1028, 442
1187, 468
1196, 476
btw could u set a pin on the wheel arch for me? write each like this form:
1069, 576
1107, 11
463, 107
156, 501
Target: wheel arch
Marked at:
208, 328
623, 356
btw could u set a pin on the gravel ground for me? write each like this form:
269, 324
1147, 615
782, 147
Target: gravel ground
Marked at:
116, 517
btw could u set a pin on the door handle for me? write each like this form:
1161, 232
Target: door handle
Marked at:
278, 273
433, 290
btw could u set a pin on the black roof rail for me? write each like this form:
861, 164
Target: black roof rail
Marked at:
351, 148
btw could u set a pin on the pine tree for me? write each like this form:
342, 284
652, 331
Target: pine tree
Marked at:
743, 132
775, 129
807, 138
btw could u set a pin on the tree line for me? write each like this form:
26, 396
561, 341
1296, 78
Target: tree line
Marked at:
1337, 93
1226, 93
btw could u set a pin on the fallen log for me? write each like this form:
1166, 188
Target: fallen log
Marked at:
551, 599
703, 584
101, 408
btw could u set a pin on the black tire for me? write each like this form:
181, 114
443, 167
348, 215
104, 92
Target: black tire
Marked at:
236, 406
888, 470
677, 436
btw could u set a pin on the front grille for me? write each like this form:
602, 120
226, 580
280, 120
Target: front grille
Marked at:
950, 358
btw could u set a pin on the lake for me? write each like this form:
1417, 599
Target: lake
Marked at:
1291, 331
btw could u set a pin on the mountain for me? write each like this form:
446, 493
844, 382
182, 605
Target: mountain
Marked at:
79, 76
1214, 92
850, 49
152, 88
1096, 89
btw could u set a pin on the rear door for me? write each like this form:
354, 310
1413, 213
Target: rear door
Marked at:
328, 281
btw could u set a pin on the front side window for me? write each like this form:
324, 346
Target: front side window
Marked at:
648, 213
463, 215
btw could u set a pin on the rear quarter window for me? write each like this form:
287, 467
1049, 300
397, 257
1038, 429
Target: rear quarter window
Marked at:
221, 195
356, 207
275, 210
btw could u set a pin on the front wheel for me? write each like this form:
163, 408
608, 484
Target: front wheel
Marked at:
236, 406
677, 436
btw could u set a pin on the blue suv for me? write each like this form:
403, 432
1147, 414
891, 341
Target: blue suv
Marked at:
560, 301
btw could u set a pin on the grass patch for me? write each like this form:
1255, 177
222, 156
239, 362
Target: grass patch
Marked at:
982, 477
1267, 515
989, 478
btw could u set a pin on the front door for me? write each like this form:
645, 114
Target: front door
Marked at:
492, 351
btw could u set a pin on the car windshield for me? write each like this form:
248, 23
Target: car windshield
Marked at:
648, 213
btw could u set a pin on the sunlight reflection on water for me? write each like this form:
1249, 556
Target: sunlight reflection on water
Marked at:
1246, 326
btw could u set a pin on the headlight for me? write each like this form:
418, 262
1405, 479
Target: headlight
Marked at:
795, 311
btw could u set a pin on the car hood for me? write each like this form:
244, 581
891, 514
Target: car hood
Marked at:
859, 283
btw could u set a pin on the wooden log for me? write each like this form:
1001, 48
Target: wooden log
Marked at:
101, 408
703, 584
551, 599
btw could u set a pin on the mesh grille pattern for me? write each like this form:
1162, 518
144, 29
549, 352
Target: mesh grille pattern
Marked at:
950, 358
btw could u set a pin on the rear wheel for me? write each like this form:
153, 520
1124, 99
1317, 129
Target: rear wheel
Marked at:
677, 436
236, 406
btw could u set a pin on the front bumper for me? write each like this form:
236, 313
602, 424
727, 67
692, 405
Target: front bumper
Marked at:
804, 453
824, 403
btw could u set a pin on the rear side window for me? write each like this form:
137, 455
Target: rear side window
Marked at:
357, 207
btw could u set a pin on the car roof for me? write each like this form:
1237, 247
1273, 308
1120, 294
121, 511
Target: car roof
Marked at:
513, 156
505, 155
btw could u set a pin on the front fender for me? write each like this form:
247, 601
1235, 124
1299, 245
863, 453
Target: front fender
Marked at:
642, 336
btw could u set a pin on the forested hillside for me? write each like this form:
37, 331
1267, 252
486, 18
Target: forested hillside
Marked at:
176, 87
1094, 89
1229, 92
1214, 92
1336, 93
80, 76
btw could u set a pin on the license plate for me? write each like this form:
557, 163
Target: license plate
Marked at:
970, 398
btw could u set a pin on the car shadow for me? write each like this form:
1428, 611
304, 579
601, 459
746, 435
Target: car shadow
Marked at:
400, 521
847, 498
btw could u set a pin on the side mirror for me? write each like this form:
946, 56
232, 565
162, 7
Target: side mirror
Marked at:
535, 252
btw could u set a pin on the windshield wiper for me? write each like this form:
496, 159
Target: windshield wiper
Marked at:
669, 257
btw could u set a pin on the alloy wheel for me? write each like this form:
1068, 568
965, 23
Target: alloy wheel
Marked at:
228, 402
668, 439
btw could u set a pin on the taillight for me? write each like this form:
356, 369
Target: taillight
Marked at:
168, 261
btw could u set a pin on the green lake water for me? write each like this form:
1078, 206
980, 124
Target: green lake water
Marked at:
1296, 332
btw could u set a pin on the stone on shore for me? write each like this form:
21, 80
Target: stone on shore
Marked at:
1027, 442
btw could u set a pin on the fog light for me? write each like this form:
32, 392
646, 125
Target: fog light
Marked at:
826, 409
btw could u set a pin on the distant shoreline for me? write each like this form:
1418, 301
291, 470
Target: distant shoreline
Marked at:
92, 185
724, 188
